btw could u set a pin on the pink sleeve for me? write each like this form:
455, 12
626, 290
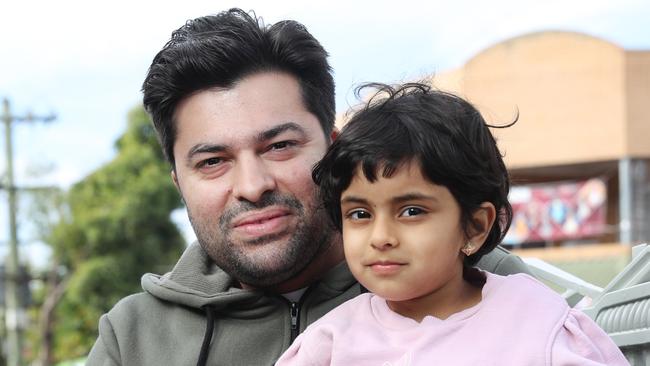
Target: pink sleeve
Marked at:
581, 342
312, 348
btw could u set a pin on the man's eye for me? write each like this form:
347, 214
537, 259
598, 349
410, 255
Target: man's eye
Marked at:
282, 145
358, 215
411, 211
210, 162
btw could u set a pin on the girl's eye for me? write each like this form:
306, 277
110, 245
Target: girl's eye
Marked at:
412, 211
358, 215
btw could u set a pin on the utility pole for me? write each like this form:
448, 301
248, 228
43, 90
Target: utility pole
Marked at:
14, 311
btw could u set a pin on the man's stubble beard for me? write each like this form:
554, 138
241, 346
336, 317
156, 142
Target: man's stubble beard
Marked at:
312, 235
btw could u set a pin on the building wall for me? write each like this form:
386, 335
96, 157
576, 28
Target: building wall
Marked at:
570, 91
637, 88
584, 111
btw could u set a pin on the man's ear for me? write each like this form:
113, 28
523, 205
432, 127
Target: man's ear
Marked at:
483, 219
178, 187
175, 180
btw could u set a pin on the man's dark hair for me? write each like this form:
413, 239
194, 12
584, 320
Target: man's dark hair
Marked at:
220, 50
441, 132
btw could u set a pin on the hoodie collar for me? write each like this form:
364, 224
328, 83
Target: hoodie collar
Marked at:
196, 281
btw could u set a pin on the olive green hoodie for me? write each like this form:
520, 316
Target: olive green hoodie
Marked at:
166, 325
195, 312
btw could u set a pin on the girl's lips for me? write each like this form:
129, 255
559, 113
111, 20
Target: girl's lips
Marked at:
386, 268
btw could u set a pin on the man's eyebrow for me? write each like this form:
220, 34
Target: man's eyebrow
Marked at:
262, 136
205, 148
276, 130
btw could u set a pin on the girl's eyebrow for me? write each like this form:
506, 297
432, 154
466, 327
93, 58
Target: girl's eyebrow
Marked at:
398, 199
413, 196
354, 199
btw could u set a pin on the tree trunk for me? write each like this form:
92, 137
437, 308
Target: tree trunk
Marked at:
57, 288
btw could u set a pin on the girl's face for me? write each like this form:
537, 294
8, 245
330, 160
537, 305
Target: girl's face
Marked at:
403, 238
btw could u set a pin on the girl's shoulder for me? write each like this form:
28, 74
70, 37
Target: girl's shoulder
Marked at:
523, 288
521, 304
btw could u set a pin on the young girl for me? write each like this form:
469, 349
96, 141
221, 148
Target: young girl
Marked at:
418, 187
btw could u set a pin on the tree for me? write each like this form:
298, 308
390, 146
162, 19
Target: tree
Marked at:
113, 227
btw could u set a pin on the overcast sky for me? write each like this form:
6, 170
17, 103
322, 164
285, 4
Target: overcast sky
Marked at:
85, 60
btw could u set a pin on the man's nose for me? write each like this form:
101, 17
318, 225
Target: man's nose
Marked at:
252, 179
383, 236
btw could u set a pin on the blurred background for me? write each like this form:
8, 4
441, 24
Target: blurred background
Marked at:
87, 206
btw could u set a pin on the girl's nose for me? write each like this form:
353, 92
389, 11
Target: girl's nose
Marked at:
383, 236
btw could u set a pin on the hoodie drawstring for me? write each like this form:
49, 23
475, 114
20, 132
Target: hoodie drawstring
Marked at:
207, 338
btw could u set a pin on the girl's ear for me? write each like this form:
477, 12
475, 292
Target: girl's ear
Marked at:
482, 220
334, 134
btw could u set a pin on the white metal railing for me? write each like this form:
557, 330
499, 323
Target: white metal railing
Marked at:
622, 308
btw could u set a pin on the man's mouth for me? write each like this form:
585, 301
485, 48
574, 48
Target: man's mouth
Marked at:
261, 223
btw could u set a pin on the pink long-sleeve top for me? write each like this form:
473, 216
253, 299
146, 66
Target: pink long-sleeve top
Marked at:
518, 322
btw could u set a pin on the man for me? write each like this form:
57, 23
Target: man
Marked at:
243, 112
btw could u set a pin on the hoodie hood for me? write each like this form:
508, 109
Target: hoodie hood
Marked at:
195, 281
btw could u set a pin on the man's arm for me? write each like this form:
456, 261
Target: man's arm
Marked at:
105, 352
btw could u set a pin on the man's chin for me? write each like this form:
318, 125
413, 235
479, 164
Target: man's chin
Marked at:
276, 239
265, 263
267, 278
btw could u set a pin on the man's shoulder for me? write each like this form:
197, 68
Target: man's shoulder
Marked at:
500, 261
144, 330
524, 292
134, 302
132, 306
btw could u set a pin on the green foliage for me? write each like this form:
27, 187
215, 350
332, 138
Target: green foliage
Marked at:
115, 227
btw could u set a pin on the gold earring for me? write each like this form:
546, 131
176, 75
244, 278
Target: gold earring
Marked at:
468, 249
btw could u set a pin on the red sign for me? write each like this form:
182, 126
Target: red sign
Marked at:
561, 211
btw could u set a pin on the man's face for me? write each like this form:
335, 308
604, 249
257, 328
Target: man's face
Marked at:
243, 166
